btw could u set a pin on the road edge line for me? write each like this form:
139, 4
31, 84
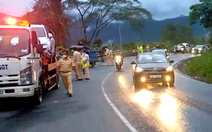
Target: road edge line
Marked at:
121, 116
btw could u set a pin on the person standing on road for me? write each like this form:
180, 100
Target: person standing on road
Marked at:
85, 64
108, 56
65, 66
141, 49
78, 64
111, 57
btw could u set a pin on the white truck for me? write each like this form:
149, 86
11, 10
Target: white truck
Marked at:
45, 36
24, 70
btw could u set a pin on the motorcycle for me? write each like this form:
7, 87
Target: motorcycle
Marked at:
119, 63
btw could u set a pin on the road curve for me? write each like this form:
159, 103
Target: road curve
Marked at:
151, 110
87, 111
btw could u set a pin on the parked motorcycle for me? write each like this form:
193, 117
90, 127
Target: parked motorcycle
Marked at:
118, 62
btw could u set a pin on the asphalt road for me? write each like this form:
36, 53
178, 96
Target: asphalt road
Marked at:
107, 103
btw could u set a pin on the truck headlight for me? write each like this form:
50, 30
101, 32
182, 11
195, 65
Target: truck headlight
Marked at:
26, 76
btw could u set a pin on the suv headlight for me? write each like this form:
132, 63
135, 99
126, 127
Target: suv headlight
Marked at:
26, 76
138, 69
168, 69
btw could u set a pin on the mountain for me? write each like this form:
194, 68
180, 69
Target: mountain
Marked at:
150, 33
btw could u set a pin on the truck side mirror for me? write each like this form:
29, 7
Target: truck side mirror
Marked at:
50, 35
40, 49
34, 39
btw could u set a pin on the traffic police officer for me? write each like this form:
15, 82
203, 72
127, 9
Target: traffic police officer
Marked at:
65, 66
78, 64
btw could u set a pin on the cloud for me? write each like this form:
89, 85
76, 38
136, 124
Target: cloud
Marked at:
15, 7
160, 9
168, 8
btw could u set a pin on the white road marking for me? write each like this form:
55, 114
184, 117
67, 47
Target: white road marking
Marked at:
121, 116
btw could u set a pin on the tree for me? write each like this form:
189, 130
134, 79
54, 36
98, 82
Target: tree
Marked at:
177, 33
98, 42
169, 33
51, 14
82, 42
184, 33
202, 13
99, 14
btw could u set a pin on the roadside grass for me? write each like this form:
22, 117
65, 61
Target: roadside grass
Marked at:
201, 67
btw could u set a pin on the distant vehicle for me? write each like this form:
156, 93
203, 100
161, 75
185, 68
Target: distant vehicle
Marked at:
187, 47
161, 51
182, 48
199, 49
45, 36
152, 68
93, 54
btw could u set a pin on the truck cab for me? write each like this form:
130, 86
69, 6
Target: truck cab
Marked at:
21, 65
45, 36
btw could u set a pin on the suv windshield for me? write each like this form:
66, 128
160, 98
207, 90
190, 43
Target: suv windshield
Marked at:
159, 52
14, 42
151, 58
199, 46
40, 31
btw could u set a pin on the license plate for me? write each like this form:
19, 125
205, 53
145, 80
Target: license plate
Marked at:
1, 91
155, 76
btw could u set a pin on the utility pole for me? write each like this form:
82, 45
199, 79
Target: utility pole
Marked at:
120, 35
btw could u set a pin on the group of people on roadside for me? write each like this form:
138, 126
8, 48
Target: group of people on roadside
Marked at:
109, 56
66, 65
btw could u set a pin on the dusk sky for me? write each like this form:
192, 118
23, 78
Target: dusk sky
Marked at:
161, 10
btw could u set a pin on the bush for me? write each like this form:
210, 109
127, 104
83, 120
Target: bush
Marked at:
201, 67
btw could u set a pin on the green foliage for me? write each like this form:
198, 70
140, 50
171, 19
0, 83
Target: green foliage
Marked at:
202, 13
133, 46
51, 14
177, 33
102, 13
98, 43
199, 40
82, 42
201, 67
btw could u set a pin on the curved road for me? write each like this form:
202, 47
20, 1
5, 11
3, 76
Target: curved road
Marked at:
107, 103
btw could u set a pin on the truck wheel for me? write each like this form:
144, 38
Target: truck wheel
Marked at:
38, 95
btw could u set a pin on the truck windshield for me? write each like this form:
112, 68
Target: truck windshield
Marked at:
40, 31
14, 42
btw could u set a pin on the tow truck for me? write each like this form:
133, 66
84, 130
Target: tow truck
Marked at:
26, 70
